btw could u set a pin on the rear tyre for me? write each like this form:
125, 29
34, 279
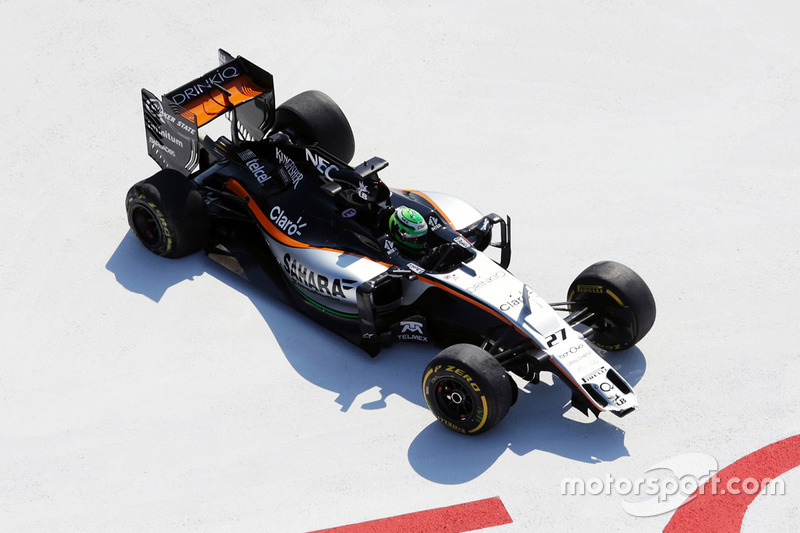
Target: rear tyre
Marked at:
467, 389
167, 214
313, 117
623, 306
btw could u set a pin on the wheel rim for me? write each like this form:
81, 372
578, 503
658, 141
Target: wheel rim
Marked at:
146, 226
453, 400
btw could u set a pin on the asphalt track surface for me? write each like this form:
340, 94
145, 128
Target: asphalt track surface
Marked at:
142, 394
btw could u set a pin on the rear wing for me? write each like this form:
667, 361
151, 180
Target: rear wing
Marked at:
236, 86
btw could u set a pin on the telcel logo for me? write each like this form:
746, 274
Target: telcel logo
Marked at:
258, 170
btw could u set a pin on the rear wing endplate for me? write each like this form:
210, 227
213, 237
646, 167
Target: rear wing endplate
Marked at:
172, 122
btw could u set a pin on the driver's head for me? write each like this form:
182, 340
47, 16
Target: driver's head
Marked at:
408, 230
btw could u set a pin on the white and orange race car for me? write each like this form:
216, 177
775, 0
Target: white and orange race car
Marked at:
280, 203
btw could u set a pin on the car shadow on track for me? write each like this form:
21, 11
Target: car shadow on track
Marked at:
316, 353
144, 273
535, 422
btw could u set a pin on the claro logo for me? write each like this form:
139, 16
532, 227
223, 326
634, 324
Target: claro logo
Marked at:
289, 226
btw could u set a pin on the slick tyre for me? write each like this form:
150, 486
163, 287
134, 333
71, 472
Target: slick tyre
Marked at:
467, 389
167, 214
313, 117
623, 306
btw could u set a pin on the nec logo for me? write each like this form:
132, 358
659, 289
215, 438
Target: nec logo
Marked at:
322, 165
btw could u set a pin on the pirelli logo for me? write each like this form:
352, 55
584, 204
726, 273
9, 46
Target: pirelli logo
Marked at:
596, 289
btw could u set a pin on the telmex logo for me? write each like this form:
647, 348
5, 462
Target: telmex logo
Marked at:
409, 326
412, 331
206, 85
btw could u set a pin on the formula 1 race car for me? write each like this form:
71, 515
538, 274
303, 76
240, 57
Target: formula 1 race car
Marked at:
279, 203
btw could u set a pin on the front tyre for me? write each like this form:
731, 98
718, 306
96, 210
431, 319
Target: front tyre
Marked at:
621, 302
467, 389
167, 214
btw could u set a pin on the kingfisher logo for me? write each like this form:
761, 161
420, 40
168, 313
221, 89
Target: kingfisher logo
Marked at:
306, 278
291, 168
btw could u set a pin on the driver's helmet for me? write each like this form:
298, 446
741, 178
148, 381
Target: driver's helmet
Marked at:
408, 230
